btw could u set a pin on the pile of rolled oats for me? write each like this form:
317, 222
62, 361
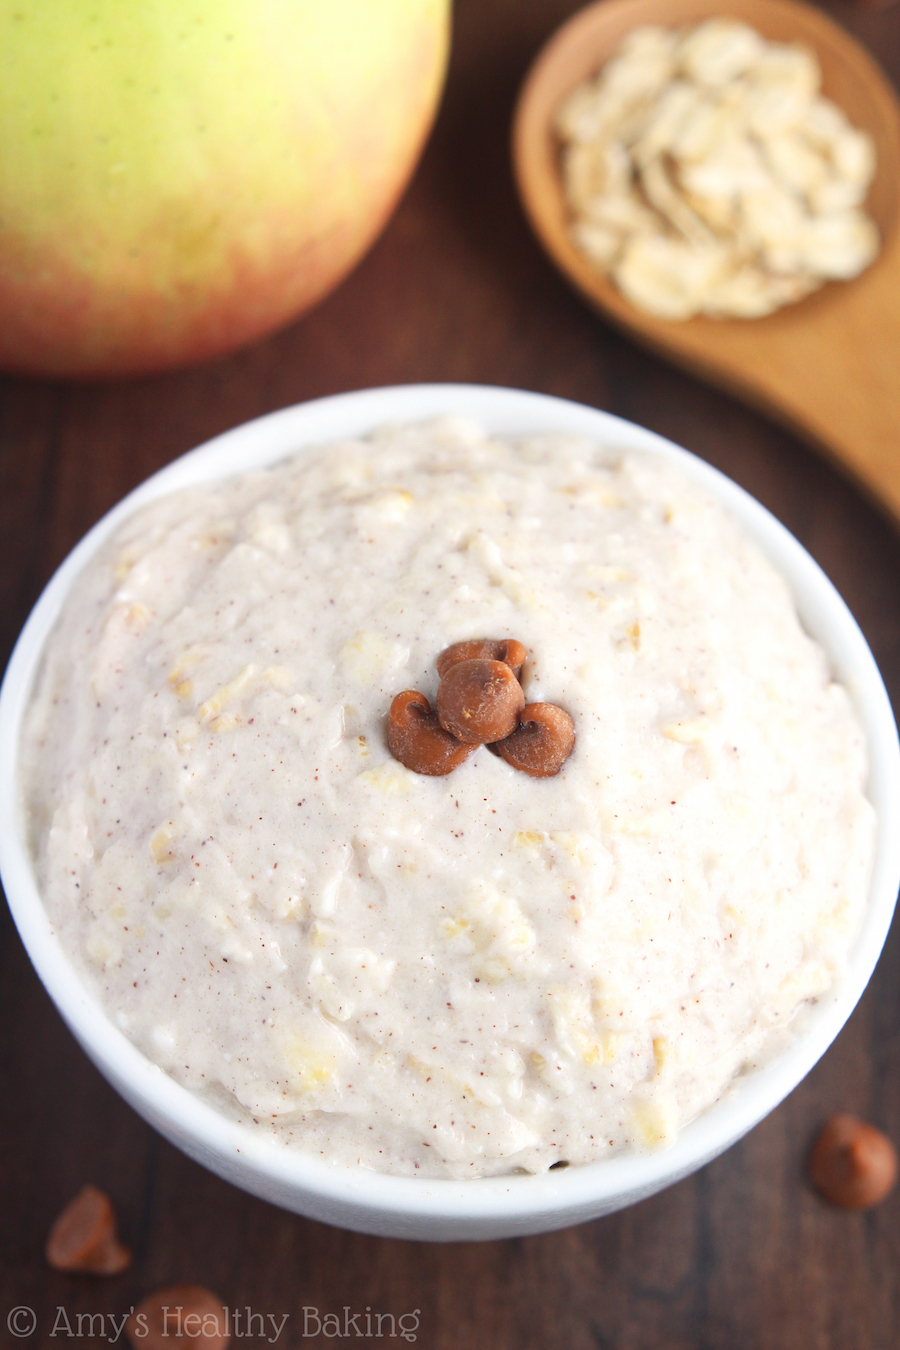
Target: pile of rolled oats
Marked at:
706, 173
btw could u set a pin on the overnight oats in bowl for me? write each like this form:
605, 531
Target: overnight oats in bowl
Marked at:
365, 931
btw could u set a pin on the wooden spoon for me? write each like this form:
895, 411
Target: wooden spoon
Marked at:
829, 366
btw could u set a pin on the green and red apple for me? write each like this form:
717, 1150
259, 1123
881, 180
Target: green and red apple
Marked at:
179, 177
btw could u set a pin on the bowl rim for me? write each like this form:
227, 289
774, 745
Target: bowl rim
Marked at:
259, 1162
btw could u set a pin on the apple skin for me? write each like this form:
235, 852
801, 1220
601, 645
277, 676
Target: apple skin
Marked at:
179, 177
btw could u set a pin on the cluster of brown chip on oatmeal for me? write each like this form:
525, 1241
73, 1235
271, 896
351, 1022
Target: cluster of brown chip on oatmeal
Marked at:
479, 702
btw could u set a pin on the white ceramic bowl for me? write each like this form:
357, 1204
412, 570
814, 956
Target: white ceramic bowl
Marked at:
494, 1207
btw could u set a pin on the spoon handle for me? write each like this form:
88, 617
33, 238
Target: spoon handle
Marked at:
831, 370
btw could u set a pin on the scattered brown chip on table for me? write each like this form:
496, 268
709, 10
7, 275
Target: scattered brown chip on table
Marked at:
852, 1164
84, 1237
182, 1315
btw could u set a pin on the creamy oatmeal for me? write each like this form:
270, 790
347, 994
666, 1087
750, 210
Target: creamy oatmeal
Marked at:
464, 975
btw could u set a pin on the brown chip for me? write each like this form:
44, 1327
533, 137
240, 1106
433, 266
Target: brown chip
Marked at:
507, 650
541, 743
479, 701
852, 1164
417, 739
181, 1317
84, 1237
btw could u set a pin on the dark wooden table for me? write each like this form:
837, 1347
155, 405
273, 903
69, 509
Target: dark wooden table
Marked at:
741, 1255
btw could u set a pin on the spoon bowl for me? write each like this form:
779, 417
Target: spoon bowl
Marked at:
827, 366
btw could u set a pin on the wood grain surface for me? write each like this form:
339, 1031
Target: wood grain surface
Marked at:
741, 1255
